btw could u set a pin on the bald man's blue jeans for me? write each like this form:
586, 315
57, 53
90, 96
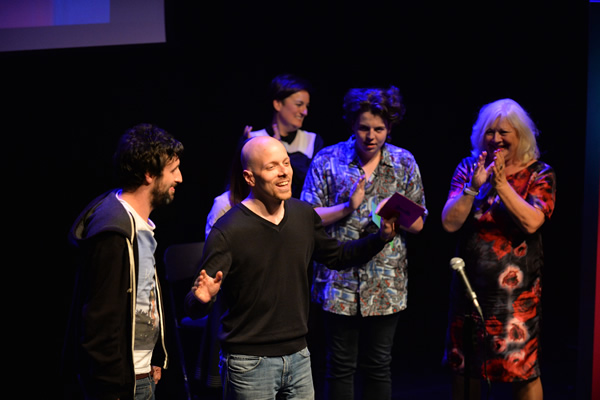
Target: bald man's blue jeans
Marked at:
247, 377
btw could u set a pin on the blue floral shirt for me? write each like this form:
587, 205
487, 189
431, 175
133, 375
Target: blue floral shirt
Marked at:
381, 284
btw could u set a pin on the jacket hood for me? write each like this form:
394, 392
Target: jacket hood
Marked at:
103, 214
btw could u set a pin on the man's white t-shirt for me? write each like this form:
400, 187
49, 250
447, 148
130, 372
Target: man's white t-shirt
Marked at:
146, 316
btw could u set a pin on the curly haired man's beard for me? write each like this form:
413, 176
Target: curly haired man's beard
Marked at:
161, 197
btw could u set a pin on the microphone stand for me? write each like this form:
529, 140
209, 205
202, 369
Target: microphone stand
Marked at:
467, 339
469, 329
469, 342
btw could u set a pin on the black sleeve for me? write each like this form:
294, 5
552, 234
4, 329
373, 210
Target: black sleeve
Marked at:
105, 331
338, 256
196, 309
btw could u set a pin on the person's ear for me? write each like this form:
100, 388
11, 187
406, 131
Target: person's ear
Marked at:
249, 177
149, 178
277, 105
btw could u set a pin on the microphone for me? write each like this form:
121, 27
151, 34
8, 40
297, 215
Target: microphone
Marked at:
458, 265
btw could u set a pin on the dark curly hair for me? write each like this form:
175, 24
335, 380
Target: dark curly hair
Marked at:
386, 103
145, 148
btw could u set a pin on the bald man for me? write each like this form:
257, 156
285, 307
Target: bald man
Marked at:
259, 254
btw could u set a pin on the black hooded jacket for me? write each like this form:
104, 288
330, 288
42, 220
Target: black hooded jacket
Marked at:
101, 341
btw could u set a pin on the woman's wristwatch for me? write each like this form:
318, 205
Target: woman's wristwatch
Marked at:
470, 191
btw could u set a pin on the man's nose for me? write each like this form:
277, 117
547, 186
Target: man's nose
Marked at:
285, 170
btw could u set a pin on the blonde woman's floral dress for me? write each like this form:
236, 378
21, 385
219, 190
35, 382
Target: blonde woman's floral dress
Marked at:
504, 267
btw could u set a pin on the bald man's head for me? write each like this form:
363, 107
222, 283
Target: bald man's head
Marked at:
267, 168
254, 147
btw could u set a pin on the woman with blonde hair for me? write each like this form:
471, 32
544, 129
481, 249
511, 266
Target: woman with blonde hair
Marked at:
499, 199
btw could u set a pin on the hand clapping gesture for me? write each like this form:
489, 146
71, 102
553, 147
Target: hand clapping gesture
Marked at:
480, 174
499, 170
358, 193
247, 130
496, 169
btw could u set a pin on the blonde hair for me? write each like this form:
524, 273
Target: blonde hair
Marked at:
511, 111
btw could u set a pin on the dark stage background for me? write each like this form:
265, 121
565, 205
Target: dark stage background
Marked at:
67, 107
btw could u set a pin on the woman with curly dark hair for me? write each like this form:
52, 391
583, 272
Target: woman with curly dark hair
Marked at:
345, 184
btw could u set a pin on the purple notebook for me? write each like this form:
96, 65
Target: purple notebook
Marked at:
404, 209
